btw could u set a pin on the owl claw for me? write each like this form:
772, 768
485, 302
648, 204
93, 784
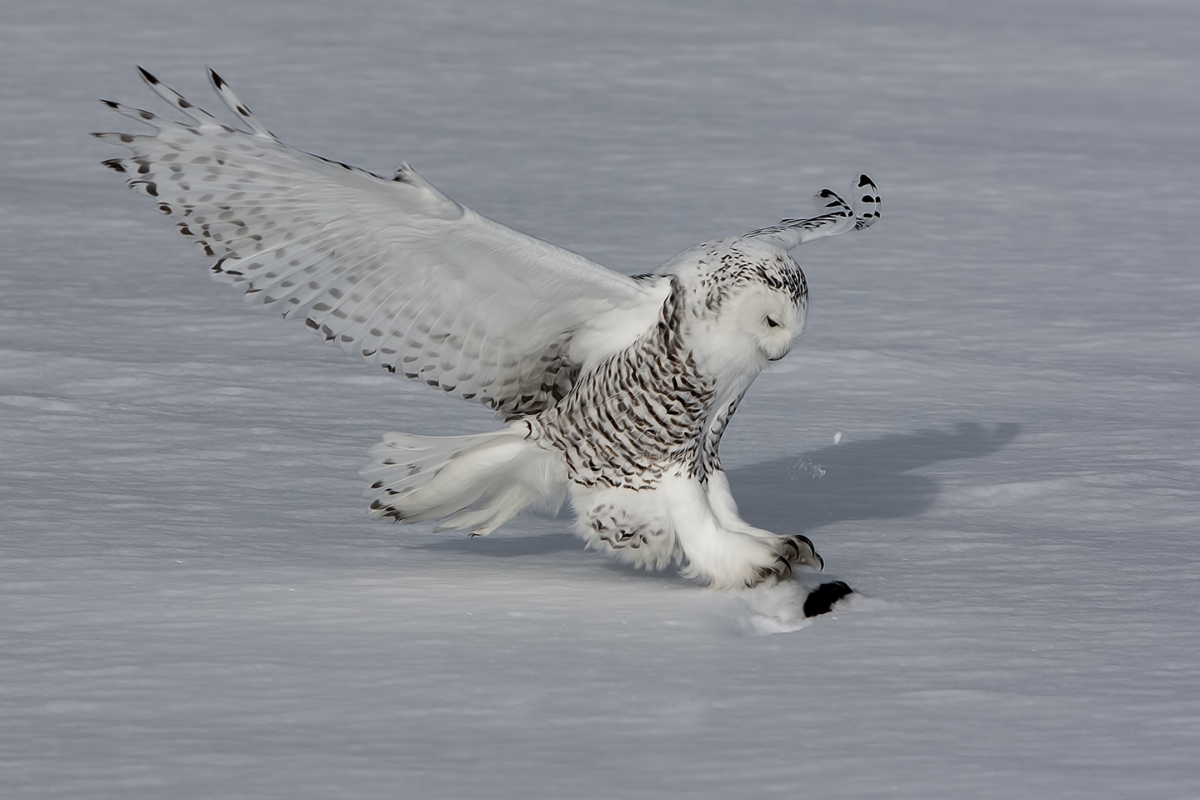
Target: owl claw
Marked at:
772, 574
799, 550
791, 551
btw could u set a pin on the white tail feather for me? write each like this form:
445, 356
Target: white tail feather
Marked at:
474, 483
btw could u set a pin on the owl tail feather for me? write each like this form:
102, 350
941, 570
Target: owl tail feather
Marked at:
474, 483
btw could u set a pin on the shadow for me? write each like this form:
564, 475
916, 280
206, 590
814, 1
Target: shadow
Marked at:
870, 479
497, 545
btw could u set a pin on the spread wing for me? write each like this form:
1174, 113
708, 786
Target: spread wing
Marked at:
391, 270
836, 217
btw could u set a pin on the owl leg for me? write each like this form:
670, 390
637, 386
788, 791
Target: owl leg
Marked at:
625, 524
724, 558
799, 549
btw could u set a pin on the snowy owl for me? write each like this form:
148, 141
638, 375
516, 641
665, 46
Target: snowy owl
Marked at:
615, 389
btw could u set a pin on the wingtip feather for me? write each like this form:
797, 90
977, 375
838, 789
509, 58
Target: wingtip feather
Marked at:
148, 77
239, 109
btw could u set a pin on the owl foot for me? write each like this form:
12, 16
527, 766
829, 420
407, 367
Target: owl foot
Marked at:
821, 599
799, 549
790, 551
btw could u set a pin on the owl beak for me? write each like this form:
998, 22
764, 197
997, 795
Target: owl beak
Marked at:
780, 355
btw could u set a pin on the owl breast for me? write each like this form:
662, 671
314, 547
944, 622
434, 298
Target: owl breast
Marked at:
641, 414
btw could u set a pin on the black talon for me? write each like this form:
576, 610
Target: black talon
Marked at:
797, 556
821, 599
813, 550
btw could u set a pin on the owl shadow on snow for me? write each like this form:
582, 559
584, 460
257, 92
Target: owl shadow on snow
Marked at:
854, 480
858, 480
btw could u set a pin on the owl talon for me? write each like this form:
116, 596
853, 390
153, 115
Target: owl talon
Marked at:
799, 550
770, 574
790, 551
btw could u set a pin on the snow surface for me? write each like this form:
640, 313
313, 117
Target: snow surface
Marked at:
193, 602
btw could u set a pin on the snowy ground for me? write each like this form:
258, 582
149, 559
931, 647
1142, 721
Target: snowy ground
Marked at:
193, 603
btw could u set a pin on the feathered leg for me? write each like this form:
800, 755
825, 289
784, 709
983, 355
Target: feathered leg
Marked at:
725, 558
820, 599
724, 508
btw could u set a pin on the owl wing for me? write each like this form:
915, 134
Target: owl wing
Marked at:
836, 217
391, 270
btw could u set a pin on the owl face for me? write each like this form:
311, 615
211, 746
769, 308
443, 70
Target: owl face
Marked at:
754, 325
771, 319
746, 303
768, 320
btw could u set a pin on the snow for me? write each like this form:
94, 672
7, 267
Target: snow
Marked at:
990, 430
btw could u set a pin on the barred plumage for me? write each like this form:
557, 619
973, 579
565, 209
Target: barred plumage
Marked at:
617, 390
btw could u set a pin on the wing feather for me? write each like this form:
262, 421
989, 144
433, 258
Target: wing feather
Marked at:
391, 270
836, 217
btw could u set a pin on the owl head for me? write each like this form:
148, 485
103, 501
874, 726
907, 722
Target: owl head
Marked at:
745, 302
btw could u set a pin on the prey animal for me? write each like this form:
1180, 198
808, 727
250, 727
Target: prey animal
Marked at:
615, 390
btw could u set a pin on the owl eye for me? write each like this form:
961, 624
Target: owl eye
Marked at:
771, 323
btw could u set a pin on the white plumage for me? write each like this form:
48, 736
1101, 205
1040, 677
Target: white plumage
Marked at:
616, 390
